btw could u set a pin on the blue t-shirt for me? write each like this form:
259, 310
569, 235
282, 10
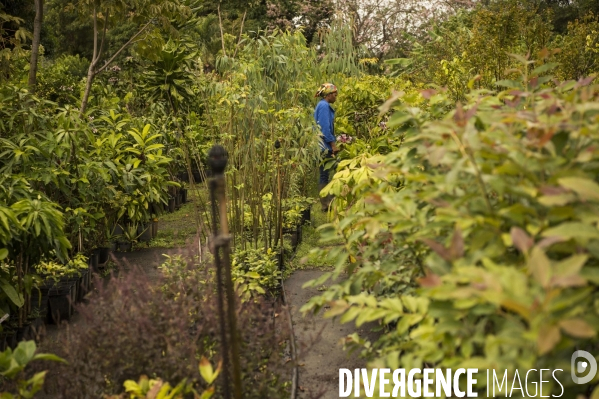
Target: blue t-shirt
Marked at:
324, 115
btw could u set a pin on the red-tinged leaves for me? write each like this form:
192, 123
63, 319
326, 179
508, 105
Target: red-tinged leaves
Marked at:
572, 280
521, 240
387, 104
440, 203
549, 241
546, 137
438, 248
459, 116
373, 199
428, 93
586, 81
471, 112
539, 266
462, 117
577, 328
518, 93
456, 250
431, 280
548, 337
552, 190
516, 307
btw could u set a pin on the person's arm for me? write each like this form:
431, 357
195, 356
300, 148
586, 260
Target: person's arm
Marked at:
323, 118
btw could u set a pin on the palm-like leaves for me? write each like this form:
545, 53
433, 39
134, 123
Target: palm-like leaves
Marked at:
170, 76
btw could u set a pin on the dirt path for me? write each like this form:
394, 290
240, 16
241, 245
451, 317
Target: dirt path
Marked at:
319, 342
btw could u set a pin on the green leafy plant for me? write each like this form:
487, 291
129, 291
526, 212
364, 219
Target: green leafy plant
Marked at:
12, 364
55, 270
255, 272
485, 255
147, 388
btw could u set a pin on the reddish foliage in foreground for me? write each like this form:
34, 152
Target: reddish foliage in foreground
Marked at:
132, 327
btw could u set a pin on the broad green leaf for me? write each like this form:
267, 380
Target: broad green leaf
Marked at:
49, 357
24, 352
570, 230
11, 293
577, 328
206, 371
544, 68
571, 265
587, 189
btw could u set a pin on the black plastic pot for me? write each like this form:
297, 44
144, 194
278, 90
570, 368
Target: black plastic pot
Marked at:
183, 176
197, 176
177, 200
93, 261
103, 254
39, 301
117, 230
125, 246
83, 286
300, 237
294, 234
306, 216
156, 208
183, 195
144, 231
11, 339
171, 204
60, 302
154, 228
3, 342
23, 332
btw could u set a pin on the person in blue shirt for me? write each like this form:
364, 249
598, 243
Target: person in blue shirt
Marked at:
324, 115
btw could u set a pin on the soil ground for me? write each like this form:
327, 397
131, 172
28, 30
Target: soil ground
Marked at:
319, 341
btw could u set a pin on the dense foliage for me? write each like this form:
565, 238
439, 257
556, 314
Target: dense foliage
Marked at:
474, 240
465, 186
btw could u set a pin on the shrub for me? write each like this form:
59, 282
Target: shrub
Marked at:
60, 80
134, 327
486, 256
579, 54
256, 271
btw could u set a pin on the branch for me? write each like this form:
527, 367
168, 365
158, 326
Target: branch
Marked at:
123, 47
103, 36
222, 37
95, 55
240, 33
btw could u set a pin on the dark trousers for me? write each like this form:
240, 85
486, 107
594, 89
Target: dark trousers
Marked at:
324, 174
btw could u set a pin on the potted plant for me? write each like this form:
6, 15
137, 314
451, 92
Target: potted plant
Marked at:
154, 227
131, 236
144, 232
171, 204
61, 284
292, 225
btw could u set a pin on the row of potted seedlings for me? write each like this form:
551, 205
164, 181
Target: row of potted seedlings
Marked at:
123, 235
51, 293
56, 286
296, 215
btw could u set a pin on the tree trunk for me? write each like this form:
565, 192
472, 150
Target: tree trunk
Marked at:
35, 46
91, 73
